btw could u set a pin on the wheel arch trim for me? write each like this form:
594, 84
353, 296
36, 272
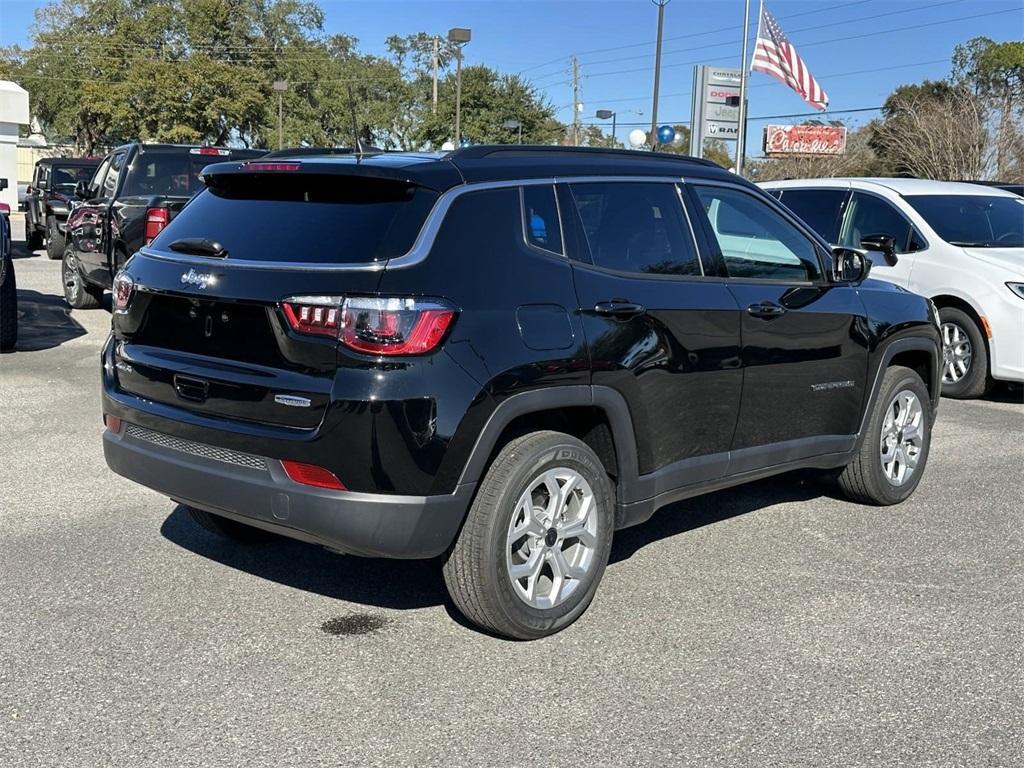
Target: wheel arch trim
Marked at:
893, 348
605, 399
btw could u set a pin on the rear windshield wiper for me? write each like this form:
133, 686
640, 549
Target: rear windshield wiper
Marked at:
199, 246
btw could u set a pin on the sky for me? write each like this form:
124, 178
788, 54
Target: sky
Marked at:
859, 50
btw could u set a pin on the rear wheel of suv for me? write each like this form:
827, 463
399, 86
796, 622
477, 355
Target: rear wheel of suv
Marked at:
77, 292
55, 240
894, 451
536, 540
229, 529
964, 355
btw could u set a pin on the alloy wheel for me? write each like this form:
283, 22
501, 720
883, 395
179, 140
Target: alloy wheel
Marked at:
72, 279
957, 353
552, 538
902, 438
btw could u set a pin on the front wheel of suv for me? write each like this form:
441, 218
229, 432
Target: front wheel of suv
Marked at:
78, 293
536, 540
964, 355
894, 451
229, 529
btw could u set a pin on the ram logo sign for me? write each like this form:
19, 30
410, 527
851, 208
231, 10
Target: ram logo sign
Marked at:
804, 140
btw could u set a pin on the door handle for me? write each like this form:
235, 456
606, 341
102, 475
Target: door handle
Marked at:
766, 309
619, 308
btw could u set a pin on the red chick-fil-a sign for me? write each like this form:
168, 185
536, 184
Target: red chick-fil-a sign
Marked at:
804, 140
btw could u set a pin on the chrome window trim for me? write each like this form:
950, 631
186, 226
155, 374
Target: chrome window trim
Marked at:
689, 224
424, 240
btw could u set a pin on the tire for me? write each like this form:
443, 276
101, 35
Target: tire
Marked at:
55, 240
77, 293
8, 309
961, 336
477, 571
35, 238
229, 529
865, 479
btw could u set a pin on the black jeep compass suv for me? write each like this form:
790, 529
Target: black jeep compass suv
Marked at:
501, 355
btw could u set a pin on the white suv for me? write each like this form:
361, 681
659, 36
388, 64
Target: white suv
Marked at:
961, 245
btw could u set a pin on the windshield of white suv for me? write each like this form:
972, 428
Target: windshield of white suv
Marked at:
973, 221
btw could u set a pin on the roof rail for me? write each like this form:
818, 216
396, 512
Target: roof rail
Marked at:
482, 151
365, 151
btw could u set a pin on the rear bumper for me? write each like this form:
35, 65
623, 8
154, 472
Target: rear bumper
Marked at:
261, 494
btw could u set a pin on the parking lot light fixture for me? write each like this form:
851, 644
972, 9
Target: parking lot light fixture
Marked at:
460, 36
513, 125
605, 114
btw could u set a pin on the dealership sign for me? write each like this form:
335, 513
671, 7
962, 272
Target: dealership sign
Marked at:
804, 140
715, 106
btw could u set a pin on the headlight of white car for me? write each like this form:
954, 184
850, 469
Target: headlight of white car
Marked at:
1017, 288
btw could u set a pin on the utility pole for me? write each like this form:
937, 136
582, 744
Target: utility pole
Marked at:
280, 86
575, 102
657, 72
437, 43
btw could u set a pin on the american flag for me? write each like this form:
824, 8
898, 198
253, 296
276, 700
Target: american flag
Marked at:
775, 55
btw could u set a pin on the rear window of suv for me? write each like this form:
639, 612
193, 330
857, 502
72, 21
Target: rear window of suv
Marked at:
304, 218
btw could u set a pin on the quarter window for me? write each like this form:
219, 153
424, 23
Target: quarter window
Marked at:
755, 240
540, 218
636, 227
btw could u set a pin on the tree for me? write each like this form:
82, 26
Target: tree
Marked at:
994, 72
935, 130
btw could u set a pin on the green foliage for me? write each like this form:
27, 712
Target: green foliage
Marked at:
102, 71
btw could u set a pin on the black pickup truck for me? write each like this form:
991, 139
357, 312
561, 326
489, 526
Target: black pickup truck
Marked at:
135, 192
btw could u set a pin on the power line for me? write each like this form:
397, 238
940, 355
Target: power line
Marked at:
730, 28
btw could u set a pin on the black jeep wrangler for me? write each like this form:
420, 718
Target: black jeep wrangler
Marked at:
50, 197
501, 356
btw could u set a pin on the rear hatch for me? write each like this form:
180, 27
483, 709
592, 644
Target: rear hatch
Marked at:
204, 327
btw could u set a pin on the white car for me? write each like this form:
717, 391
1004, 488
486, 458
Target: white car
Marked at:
961, 245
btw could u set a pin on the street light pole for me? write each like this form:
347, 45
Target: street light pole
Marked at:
657, 72
437, 43
280, 86
459, 36
604, 114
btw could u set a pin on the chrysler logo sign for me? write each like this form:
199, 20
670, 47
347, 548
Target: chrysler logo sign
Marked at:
200, 280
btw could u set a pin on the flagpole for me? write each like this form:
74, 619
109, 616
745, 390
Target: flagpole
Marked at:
741, 133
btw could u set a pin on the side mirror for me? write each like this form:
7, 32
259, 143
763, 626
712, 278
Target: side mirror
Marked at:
851, 266
81, 190
884, 244
3, 184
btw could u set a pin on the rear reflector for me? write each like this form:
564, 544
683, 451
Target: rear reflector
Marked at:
310, 474
112, 423
156, 220
271, 166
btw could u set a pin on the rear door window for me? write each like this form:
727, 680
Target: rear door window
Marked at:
96, 183
304, 218
820, 209
110, 181
636, 227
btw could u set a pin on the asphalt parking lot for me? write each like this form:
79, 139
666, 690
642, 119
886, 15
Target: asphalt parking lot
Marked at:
767, 625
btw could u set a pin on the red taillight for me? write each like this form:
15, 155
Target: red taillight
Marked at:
123, 289
112, 423
310, 474
5, 208
375, 326
321, 319
257, 166
156, 220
